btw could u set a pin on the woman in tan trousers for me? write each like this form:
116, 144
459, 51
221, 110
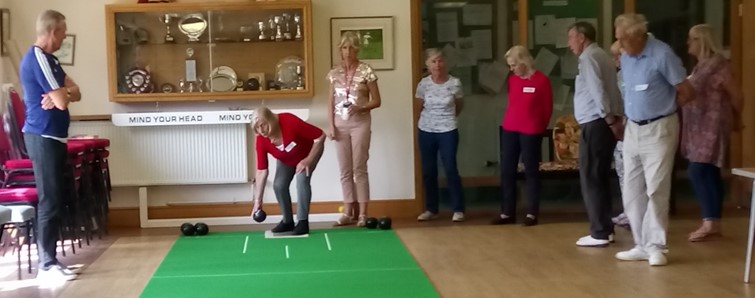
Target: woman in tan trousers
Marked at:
353, 94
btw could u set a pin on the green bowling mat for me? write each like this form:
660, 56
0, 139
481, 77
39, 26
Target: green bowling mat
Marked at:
328, 263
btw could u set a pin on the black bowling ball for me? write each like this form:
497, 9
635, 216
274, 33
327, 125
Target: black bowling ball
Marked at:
384, 223
259, 215
202, 229
371, 223
188, 229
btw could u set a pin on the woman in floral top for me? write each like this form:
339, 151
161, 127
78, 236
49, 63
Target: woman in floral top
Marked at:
707, 122
353, 94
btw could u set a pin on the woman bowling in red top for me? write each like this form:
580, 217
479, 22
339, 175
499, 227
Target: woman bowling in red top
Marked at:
298, 147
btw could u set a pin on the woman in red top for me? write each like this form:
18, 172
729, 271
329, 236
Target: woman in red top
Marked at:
526, 118
298, 147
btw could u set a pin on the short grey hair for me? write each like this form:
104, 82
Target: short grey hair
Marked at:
432, 53
48, 21
351, 39
632, 24
585, 29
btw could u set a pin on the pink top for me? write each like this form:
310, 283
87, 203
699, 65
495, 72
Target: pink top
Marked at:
706, 121
530, 104
349, 88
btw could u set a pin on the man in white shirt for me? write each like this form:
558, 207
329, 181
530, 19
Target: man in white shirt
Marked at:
597, 102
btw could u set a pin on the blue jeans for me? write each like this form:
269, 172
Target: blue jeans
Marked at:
709, 188
447, 144
48, 159
284, 174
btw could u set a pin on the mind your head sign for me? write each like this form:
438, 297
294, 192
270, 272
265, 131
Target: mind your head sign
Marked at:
195, 118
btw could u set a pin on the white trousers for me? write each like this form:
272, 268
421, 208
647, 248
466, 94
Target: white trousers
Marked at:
649, 152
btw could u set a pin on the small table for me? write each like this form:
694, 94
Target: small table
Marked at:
749, 173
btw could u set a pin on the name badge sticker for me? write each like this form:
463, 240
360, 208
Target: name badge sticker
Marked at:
528, 90
290, 146
641, 87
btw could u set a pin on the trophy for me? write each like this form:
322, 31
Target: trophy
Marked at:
299, 78
263, 29
278, 32
167, 19
286, 19
271, 27
247, 33
181, 85
297, 21
191, 69
193, 26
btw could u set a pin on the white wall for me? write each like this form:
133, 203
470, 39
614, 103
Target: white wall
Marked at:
391, 157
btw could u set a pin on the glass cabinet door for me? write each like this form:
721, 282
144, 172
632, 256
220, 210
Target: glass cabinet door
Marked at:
209, 51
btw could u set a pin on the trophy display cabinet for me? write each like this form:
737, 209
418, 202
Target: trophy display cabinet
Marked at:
209, 51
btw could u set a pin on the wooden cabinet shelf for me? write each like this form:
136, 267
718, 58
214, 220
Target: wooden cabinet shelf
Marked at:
209, 51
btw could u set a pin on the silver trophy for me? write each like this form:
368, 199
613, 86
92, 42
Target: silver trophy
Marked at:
286, 19
299, 78
297, 22
278, 30
271, 27
263, 30
167, 19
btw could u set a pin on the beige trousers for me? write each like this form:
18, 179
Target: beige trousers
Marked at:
649, 152
353, 151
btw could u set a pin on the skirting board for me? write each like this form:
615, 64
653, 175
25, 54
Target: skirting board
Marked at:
146, 222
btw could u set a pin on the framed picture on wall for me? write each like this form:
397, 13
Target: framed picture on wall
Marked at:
4, 31
66, 52
375, 38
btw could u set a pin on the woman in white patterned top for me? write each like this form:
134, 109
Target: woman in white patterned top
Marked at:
440, 95
353, 94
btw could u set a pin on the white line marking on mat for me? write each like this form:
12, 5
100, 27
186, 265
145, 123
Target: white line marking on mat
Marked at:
245, 242
293, 272
286, 251
327, 240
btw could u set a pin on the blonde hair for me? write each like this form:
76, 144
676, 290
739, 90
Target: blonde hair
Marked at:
632, 24
263, 115
616, 48
520, 55
351, 39
48, 21
708, 45
432, 53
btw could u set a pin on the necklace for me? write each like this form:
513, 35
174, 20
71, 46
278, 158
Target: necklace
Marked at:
349, 80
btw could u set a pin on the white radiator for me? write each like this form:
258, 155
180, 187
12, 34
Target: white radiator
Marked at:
172, 155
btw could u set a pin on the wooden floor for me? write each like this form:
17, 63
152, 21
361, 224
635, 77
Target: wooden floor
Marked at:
463, 260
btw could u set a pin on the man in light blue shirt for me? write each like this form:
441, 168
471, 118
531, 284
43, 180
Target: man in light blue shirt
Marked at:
654, 85
597, 102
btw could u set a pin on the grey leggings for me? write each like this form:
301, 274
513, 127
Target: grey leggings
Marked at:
284, 174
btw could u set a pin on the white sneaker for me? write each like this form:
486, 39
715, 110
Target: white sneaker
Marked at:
458, 217
634, 254
589, 241
427, 215
55, 275
657, 258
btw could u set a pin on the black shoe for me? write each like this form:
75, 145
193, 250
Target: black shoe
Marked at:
283, 227
529, 221
302, 227
503, 221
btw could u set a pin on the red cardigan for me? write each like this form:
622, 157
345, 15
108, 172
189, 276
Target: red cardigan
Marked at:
530, 104
298, 137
